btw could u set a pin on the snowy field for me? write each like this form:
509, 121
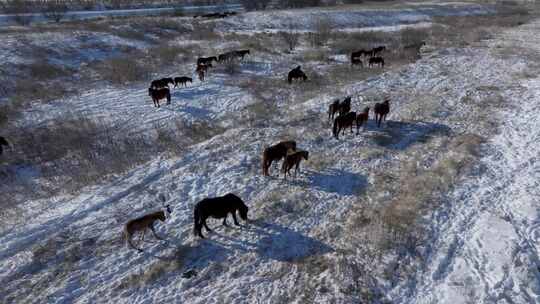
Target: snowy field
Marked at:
303, 243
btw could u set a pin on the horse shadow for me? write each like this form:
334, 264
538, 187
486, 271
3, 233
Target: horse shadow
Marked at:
337, 181
274, 242
399, 135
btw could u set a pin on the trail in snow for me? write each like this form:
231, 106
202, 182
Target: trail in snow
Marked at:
487, 243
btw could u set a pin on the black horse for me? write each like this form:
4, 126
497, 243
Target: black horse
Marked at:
296, 73
276, 153
182, 81
218, 208
333, 108
242, 53
377, 50
3, 142
345, 106
206, 60
161, 83
381, 110
375, 61
342, 122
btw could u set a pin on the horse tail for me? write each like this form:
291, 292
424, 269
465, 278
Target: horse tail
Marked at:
197, 222
289, 78
335, 128
168, 96
264, 160
129, 242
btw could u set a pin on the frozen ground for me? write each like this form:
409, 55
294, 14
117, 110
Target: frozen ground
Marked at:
484, 239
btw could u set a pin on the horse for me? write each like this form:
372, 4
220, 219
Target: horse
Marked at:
377, 50
345, 106
293, 159
158, 94
376, 60
167, 80
158, 83
206, 60
357, 61
241, 54
276, 153
362, 119
144, 222
381, 110
226, 56
358, 54
342, 122
333, 108
218, 207
296, 73
202, 69
3, 142
182, 81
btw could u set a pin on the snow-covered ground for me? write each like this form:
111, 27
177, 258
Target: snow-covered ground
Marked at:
293, 249
485, 247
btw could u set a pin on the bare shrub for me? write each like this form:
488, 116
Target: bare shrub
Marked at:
323, 31
55, 10
125, 69
252, 5
19, 9
290, 37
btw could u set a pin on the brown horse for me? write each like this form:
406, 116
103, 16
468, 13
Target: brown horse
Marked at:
381, 110
276, 153
376, 61
158, 94
295, 74
293, 159
362, 119
202, 69
333, 108
342, 122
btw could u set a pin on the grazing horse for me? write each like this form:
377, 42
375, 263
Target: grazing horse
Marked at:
241, 54
376, 60
342, 122
333, 109
3, 142
362, 119
276, 153
218, 207
345, 106
377, 50
296, 73
158, 94
293, 159
381, 110
206, 60
182, 81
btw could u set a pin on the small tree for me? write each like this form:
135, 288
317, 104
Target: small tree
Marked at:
55, 10
291, 39
322, 32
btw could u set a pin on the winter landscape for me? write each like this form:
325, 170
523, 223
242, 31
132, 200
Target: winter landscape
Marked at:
437, 204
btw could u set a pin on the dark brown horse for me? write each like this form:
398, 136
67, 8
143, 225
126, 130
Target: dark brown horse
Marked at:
342, 122
161, 83
333, 108
293, 159
226, 56
202, 69
3, 142
182, 81
276, 153
358, 54
295, 74
362, 119
381, 110
218, 208
357, 61
158, 94
345, 106
376, 61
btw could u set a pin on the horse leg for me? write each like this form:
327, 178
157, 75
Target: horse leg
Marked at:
225, 220
151, 226
206, 226
234, 218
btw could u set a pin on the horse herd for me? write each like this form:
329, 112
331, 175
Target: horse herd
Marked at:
347, 119
373, 57
159, 89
